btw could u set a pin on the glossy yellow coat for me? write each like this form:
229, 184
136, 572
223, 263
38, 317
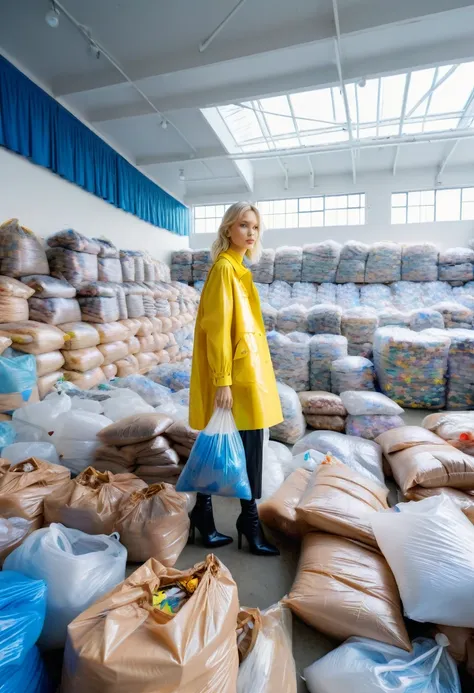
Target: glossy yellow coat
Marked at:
230, 348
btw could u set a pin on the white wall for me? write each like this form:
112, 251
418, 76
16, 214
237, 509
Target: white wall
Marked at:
378, 189
46, 203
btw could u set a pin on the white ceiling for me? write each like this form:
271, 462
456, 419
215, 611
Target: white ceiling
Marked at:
269, 47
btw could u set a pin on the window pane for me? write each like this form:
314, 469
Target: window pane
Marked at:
199, 212
399, 215
331, 217
427, 197
305, 220
219, 211
291, 206
342, 217
448, 205
279, 220
427, 213
269, 221
468, 195
263, 207
362, 216
353, 201
399, 199
341, 202
279, 206
210, 226
305, 204
291, 221
353, 216
317, 219
414, 198
468, 210
413, 215
210, 211
317, 203
332, 202
200, 226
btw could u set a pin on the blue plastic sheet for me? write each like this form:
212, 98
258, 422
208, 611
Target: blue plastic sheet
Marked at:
17, 373
7, 434
217, 464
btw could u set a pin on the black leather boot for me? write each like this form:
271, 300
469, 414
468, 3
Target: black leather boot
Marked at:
249, 525
202, 518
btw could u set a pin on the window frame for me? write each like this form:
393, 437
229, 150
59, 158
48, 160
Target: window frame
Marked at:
406, 206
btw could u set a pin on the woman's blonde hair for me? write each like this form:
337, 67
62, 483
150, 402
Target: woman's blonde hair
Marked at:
233, 214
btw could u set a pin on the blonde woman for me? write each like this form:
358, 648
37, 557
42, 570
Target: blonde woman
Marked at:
232, 368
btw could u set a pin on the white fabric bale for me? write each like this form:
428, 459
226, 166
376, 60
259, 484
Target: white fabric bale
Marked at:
420, 262
320, 261
324, 349
384, 263
352, 263
347, 295
279, 294
304, 293
288, 262
325, 319
352, 373
264, 270
290, 358
294, 318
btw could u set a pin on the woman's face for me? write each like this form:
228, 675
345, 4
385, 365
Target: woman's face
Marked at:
244, 233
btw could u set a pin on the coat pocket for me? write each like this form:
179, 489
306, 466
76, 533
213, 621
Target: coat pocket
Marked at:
246, 360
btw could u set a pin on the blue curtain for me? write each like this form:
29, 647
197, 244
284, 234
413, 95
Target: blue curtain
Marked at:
33, 124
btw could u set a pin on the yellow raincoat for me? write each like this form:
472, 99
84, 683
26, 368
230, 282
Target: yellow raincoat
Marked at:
230, 348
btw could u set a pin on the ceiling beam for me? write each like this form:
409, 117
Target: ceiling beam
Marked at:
324, 76
464, 122
375, 14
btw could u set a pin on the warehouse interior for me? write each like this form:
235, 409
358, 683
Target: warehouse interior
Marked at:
127, 130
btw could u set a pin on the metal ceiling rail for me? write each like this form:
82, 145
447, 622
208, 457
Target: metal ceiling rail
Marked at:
402, 120
207, 42
464, 122
433, 88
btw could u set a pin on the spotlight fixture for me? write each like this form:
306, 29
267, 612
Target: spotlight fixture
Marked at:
362, 82
164, 124
52, 17
94, 50
181, 176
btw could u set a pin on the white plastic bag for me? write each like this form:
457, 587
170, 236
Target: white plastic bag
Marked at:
44, 414
369, 404
364, 456
18, 452
117, 408
75, 438
310, 460
362, 665
78, 569
272, 477
429, 545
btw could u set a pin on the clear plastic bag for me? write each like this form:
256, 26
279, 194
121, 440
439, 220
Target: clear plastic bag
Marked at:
364, 456
109, 371
359, 324
455, 315
118, 408
49, 287
294, 318
425, 319
75, 437
264, 270
99, 309
217, 464
320, 261
270, 666
361, 664
54, 311
128, 266
18, 452
272, 475
79, 335
302, 293
75, 268
78, 569
324, 319
153, 393
113, 351
347, 295
13, 531
7, 434
106, 247
135, 306
5, 342
429, 547
369, 404
127, 366
48, 363
83, 359
383, 263
288, 263
324, 349
34, 337
44, 414
290, 358
73, 240
352, 261
86, 380
371, 426
279, 294
352, 373
109, 269
21, 251
269, 315
420, 263
12, 308
17, 380
293, 426
376, 296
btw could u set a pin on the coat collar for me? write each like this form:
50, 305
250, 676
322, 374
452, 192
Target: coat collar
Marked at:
236, 261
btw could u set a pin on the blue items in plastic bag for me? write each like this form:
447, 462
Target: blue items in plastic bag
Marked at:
7, 434
217, 464
17, 380
22, 612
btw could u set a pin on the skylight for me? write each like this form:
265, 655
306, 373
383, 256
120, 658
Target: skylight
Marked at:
436, 99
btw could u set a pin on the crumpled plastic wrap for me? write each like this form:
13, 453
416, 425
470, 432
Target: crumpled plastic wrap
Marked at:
75, 268
99, 309
293, 426
324, 349
21, 251
288, 262
263, 271
407, 296
327, 293
460, 387
73, 240
394, 317
290, 358
174, 376
359, 324
425, 319
294, 318
45, 286
383, 263
376, 296
347, 295
154, 523
323, 597
352, 263
420, 262
412, 366
320, 261
352, 373
304, 293
54, 311
325, 319
279, 294
33, 337
455, 314
371, 426
456, 264
128, 266
202, 263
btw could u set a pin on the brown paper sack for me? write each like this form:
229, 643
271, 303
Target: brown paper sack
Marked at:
397, 439
344, 588
154, 523
432, 466
91, 501
135, 429
122, 645
25, 485
463, 499
249, 622
461, 645
279, 511
340, 501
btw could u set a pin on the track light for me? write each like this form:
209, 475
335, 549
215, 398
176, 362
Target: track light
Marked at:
52, 17
362, 82
164, 124
182, 177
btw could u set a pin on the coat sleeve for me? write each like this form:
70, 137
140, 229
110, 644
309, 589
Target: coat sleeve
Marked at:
216, 322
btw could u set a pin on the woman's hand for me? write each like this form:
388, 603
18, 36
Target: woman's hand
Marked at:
224, 398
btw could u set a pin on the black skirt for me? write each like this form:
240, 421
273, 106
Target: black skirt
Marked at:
253, 446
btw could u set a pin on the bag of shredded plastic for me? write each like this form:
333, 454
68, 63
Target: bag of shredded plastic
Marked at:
362, 664
325, 319
293, 426
320, 261
290, 358
78, 569
21, 252
76, 268
34, 337
429, 546
383, 263
217, 464
352, 373
352, 261
324, 349
154, 523
270, 665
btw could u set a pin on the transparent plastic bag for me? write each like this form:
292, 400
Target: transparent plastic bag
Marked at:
359, 324
34, 337
290, 358
352, 373
363, 456
269, 315
294, 318
19, 452
75, 437
12, 307
44, 414
383, 263
347, 296
371, 426
279, 294
460, 384
83, 359
320, 261
75, 268
128, 266
48, 362
86, 380
118, 408
99, 309
54, 311
153, 393
109, 269
12, 287
288, 263
45, 286
264, 270
79, 335
21, 251
106, 247
113, 351
78, 569
420, 262
369, 404
429, 545
293, 426
324, 319
425, 319
324, 349
361, 664
13, 531
455, 315
127, 366
5, 342
217, 464
73, 240
17, 380
352, 261
7, 434
270, 666
272, 476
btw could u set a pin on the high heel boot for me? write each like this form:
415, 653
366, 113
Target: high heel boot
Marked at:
202, 518
249, 526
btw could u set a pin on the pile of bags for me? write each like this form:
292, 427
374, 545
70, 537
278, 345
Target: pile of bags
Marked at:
264, 270
290, 358
370, 414
14, 299
201, 264
182, 265
324, 349
323, 410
